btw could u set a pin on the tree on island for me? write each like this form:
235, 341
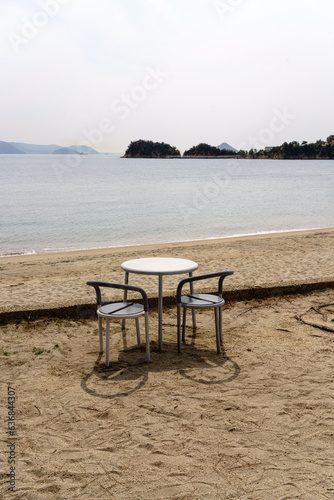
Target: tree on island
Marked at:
305, 150
288, 150
203, 149
150, 149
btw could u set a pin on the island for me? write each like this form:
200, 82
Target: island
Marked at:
319, 150
204, 150
150, 149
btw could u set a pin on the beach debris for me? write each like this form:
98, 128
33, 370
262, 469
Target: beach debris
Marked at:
255, 307
323, 314
39, 411
88, 408
299, 317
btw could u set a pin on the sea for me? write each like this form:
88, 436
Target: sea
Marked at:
56, 203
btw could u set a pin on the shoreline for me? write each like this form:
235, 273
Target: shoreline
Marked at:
166, 243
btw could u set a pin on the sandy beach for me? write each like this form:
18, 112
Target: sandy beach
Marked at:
50, 281
253, 423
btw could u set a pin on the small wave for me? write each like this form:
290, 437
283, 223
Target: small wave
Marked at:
169, 241
16, 254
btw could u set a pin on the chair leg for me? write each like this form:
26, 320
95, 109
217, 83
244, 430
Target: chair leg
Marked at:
138, 332
107, 340
220, 323
191, 284
194, 319
184, 324
147, 336
178, 328
221, 330
100, 335
217, 330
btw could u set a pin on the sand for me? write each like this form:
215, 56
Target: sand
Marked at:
49, 281
253, 423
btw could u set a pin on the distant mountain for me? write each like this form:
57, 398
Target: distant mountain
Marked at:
224, 145
8, 149
65, 151
36, 149
86, 150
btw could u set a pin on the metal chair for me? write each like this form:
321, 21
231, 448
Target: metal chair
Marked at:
120, 310
201, 301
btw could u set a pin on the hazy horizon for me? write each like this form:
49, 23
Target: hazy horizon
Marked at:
251, 73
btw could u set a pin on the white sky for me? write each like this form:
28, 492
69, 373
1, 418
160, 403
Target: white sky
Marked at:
177, 71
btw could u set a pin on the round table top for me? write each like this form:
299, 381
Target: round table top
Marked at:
159, 265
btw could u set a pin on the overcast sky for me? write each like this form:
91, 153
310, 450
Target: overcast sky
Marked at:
252, 73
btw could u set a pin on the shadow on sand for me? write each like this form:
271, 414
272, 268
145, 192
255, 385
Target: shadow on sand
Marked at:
130, 372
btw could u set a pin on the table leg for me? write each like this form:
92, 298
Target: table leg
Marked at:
125, 295
192, 310
160, 305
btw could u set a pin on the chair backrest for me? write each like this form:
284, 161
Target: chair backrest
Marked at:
100, 284
221, 274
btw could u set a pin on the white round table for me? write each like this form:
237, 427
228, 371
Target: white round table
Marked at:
159, 266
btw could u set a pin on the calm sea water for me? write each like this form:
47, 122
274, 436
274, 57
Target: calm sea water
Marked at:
51, 204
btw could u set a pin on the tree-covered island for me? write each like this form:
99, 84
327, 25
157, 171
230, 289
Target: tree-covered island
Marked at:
295, 151
288, 150
205, 150
150, 149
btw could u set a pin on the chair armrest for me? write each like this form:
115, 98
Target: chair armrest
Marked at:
121, 286
221, 274
221, 279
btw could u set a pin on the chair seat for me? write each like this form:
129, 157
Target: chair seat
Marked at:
201, 300
121, 310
